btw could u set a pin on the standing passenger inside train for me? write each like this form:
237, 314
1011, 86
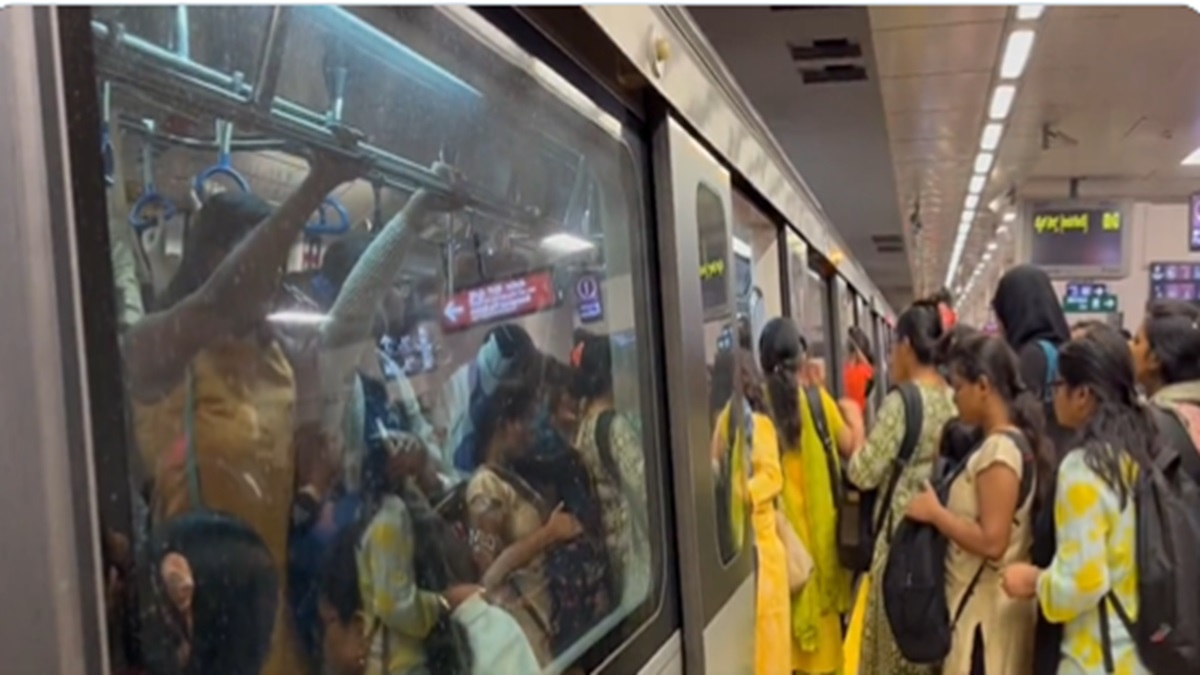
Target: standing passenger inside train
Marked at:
511, 527
1094, 510
1166, 354
859, 374
612, 449
987, 518
1031, 317
913, 361
808, 493
214, 395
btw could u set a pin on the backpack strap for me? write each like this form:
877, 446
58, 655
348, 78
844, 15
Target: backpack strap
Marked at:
962, 604
914, 418
603, 438
1105, 635
817, 410
1028, 463
1051, 354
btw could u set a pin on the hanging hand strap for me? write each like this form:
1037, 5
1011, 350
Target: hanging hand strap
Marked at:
191, 468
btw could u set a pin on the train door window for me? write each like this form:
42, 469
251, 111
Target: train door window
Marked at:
797, 270
756, 248
440, 395
815, 325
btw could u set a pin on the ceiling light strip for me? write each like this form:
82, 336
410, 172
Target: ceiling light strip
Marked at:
1017, 50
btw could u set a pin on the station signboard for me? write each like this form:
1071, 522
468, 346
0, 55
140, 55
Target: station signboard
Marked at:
499, 300
1175, 281
1073, 239
589, 304
1194, 223
1086, 297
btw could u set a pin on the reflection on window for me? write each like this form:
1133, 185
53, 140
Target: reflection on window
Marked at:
422, 448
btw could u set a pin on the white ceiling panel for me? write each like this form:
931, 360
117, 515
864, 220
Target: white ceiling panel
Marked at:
929, 50
894, 17
942, 91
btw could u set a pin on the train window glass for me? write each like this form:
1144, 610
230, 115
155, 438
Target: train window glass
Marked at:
845, 319
815, 324
386, 389
721, 334
756, 243
798, 272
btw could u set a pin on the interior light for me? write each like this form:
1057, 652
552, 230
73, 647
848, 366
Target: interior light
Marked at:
976, 184
565, 243
1002, 100
983, 162
1010, 216
298, 318
992, 245
968, 216
1002, 230
987, 256
972, 201
1029, 12
991, 136
1192, 159
1016, 54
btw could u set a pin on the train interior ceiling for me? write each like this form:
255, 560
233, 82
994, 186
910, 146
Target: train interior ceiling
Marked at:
659, 180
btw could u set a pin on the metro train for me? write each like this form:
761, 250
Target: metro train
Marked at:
615, 180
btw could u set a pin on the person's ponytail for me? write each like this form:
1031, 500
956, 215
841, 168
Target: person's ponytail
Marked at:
784, 396
1026, 411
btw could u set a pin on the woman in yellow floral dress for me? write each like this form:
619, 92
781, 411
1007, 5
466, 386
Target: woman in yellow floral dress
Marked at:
1093, 507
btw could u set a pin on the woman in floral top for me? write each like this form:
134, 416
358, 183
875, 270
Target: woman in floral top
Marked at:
917, 333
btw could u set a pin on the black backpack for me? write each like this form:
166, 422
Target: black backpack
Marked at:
858, 525
1167, 502
914, 579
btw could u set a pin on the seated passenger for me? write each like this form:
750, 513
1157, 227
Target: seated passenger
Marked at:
612, 449
212, 595
1166, 354
871, 466
808, 495
1094, 510
512, 527
209, 380
987, 519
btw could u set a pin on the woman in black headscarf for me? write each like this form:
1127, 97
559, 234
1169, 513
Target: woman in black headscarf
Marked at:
1032, 319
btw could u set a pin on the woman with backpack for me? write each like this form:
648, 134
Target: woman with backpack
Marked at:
612, 449
1094, 511
873, 466
1166, 356
809, 460
1031, 318
987, 516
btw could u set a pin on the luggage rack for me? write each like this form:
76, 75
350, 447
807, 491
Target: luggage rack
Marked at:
175, 80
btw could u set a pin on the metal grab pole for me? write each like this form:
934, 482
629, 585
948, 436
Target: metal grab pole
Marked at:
183, 35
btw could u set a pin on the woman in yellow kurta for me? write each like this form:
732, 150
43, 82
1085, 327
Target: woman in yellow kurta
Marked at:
808, 495
754, 438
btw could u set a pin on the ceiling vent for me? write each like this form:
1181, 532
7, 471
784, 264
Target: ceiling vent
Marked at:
888, 243
826, 50
831, 74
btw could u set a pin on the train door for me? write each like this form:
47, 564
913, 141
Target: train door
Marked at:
699, 322
759, 279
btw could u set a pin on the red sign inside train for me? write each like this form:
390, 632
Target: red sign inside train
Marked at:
499, 300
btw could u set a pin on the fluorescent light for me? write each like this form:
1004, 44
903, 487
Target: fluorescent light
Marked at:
1192, 159
566, 243
1002, 230
1029, 12
986, 257
983, 162
992, 245
1010, 216
298, 318
1002, 100
1016, 54
976, 184
968, 215
991, 136
972, 201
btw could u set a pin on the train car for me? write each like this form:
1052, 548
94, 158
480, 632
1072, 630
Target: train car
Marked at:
557, 173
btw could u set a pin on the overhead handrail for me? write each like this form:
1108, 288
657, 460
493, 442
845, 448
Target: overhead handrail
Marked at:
224, 165
323, 227
194, 86
106, 146
139, 220
201, 144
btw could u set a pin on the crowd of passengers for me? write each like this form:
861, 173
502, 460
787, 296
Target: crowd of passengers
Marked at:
304, 513
1025, 463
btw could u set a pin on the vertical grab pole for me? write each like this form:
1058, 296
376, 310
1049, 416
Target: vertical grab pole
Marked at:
182, 34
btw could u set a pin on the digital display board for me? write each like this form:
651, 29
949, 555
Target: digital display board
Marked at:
1175, 281
1078, 239
499, 300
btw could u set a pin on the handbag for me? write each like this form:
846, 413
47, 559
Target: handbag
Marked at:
799, 561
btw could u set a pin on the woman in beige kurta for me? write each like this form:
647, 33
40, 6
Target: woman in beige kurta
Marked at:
1005, 626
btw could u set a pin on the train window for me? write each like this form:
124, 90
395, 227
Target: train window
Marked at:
384, 392
815, 323
759, 287
798, 273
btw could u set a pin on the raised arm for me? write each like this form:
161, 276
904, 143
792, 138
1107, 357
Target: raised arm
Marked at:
158, 348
